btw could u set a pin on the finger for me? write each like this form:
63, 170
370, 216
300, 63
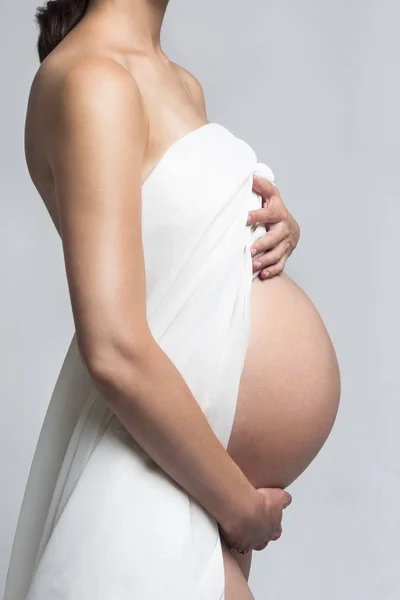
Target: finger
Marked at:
268, 214
273, 270
268, 241
271, 257
264, 186
287, 499
262, 546
277, 534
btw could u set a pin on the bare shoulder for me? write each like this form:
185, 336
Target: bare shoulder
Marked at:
193, 85
92, 69
91, 86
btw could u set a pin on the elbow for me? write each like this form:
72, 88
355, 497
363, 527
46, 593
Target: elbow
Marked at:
108, 359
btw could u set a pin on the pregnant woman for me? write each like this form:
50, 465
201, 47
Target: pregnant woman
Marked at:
193, 392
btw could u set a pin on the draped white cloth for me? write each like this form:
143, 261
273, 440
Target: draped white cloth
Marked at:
99, 519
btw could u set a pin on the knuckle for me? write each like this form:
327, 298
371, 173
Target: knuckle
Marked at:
272, 270
285, 215
273, 257
265, 261
281, 262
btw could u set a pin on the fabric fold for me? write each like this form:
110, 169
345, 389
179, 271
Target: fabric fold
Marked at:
99, 518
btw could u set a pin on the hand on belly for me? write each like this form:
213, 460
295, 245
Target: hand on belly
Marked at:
289, 389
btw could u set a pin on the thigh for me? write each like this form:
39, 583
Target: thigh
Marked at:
236, 586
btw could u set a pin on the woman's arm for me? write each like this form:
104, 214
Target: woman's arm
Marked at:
96, 149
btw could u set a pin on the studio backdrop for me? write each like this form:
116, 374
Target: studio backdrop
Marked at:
314, 88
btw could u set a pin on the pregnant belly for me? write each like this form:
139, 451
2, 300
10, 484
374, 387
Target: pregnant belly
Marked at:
289, 388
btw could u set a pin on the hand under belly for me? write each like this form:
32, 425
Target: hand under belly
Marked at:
289, 389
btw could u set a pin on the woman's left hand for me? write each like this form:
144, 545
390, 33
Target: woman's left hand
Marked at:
283, 231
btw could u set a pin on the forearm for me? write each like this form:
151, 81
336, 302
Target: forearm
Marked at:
153, 402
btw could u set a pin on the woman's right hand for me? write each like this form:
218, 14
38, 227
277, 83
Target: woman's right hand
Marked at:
261, 524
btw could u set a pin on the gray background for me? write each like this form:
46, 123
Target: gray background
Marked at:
314, 88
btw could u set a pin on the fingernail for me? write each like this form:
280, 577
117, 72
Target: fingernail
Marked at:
257, 265
253, 251
248, 220
265, 274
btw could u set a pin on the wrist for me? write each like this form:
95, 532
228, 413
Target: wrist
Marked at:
242, 508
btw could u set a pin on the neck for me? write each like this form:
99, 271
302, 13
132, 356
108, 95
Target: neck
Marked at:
134, 23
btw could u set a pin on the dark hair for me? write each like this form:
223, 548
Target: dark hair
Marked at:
55, 19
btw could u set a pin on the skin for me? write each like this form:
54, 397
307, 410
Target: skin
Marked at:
88, 168
283, 231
